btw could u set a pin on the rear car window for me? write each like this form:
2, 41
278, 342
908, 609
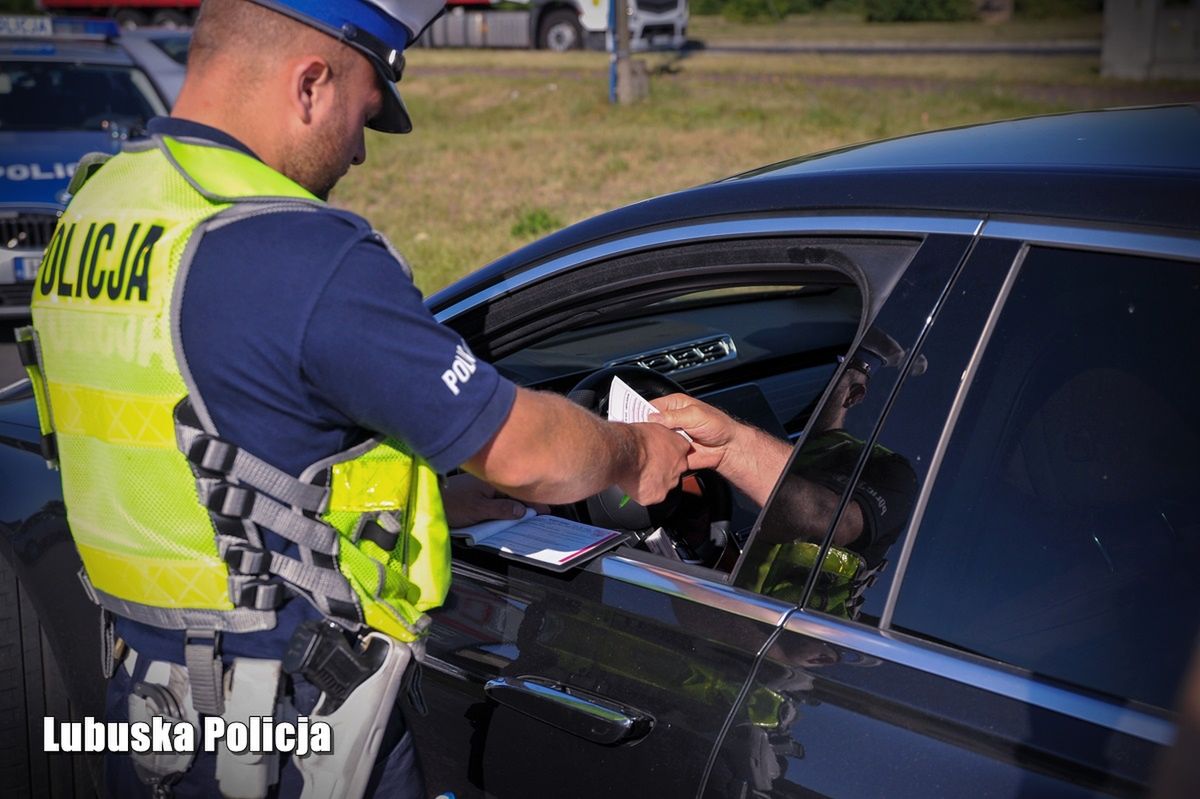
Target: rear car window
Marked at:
51, 96
1061, 534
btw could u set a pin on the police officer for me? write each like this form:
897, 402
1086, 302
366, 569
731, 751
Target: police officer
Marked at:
250, 403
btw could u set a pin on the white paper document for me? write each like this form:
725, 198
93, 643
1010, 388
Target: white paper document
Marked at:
548, 540
626, 405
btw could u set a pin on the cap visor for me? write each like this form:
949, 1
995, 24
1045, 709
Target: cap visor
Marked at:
393, 116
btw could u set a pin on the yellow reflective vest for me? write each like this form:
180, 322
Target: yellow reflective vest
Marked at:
166, 514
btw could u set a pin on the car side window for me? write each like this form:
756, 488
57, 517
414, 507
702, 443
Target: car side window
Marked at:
844, 500
1060, 533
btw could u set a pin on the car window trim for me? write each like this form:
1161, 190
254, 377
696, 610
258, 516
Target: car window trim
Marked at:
991, 676
797, 442
713, 592
628, 566
867, 225
943, 443
1175, 246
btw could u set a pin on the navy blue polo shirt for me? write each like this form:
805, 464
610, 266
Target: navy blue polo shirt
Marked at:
304, 337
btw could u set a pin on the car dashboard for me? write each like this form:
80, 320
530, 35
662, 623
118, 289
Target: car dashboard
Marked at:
763, 356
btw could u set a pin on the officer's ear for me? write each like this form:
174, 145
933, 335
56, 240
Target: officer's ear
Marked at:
311, 87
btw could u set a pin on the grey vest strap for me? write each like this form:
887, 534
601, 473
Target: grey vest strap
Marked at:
321, 582
204, 672
244, 493
238, 620
243, 502
213, 454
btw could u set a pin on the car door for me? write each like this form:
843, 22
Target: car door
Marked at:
618, 679
1029, 634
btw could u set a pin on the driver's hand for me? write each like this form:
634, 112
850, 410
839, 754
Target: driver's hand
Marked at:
712, 431
746, 456
661, 461
469, 500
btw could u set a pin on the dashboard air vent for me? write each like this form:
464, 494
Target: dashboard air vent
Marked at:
688, 355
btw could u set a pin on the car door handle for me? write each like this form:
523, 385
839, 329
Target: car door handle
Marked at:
578, 712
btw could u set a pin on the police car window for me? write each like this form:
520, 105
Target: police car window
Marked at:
51, 96
1060, 534
175, 47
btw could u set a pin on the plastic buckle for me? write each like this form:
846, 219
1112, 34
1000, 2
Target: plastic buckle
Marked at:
27, 352
49, 445
248, 560
370, 529
230, 500
212, 454
261, 595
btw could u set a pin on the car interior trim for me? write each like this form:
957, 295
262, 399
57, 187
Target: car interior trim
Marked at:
739, 228
694, 589
709, 351
922, 656
914, 525
1102, 239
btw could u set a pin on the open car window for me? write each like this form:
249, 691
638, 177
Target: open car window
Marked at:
780, 342
757, 328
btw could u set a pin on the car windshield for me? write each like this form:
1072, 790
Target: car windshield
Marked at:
176, 47
43, 95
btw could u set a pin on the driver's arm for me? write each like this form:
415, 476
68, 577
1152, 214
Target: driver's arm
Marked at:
745, 456
549, 450
754, 461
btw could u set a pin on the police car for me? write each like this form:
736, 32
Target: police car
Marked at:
67, 87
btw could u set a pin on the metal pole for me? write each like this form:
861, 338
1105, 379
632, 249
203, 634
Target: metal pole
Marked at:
622, 12
611, 38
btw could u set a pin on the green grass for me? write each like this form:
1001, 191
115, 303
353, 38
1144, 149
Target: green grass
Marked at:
535, 222
509, 145
826, 28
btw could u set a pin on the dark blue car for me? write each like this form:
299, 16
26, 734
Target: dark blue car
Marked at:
67, 87
1021, 302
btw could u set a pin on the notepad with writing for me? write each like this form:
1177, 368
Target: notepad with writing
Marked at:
546, 541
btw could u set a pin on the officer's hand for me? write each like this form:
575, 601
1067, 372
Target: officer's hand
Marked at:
713, 433
469, 500
661, 460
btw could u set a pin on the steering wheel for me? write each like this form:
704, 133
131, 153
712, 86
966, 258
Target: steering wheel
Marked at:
695, 515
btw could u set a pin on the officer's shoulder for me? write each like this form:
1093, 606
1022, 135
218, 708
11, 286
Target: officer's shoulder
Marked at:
305, 221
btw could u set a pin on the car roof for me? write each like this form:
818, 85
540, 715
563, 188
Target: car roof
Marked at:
1162, 137
1137, 167
63, 49
157, 33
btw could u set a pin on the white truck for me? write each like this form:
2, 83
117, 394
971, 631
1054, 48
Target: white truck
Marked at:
556, 24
